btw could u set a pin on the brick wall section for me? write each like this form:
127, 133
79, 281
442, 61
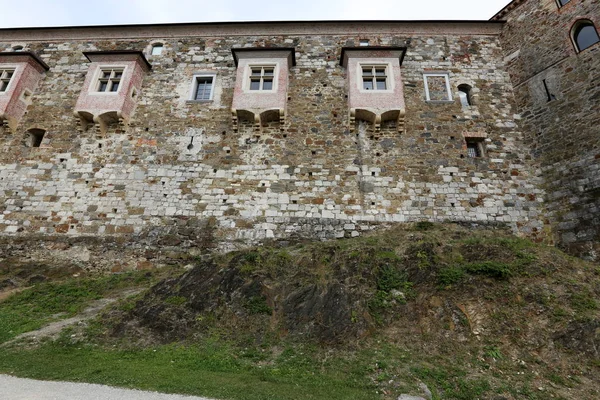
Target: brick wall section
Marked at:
144, 182
564, 134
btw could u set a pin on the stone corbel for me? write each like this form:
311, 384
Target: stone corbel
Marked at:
352, 119
7, 125
258, 118
401, 123
100, 122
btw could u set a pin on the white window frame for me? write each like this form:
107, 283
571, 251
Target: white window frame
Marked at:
248, 75
389, 86
3, 69
195, 77
95, 84
448, 89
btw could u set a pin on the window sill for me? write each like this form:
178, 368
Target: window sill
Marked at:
440, 101
198, 101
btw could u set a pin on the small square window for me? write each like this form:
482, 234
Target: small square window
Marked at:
374, 77
203, 87
157, 50
5, 77
437, 87
262, 78
363, 42
110, 79
475, 148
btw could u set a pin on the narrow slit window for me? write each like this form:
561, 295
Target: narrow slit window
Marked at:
110, 80
36, 136
5, 77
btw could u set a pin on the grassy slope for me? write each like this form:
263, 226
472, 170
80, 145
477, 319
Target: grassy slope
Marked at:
481, 319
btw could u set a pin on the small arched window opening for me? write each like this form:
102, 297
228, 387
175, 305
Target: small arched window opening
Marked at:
465, 94
17, 48
35, 137
157, 49
584, 35
562, 2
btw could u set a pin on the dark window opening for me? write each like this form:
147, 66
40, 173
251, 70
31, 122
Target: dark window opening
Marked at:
585, 35
475, 148
465, 94
35, 137
549, 95
562, 2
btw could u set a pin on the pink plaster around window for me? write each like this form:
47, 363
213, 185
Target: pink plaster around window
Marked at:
261, 106
372, 105
107, 107
28, 70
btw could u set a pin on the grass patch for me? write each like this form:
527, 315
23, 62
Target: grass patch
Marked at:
211, 369
33, 308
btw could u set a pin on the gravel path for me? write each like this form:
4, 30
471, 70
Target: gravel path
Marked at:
12, 388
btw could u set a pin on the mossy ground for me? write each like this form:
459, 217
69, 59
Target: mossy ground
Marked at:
470, 313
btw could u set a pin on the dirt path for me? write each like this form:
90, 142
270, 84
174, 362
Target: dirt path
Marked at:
53, 329
29, 389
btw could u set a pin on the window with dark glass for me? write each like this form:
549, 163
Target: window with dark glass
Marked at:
562, 2
261, 78
5, 77
374, 77
474, 148
585, 35
204, 86
109, 80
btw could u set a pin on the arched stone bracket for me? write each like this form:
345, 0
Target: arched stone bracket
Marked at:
376, 118
259, 118
7, 125
100, 122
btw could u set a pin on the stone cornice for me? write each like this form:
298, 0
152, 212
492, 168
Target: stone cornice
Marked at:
508, 8
228, 29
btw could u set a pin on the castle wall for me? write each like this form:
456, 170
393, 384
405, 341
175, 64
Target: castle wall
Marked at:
178, 175
563, 131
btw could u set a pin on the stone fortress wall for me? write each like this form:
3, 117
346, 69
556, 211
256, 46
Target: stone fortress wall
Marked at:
180, 174
562, 123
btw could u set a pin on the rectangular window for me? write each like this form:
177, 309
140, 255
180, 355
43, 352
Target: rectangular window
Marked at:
437, 87
109, 80
374, 77
261, 78
5, 77
474, 148
203, 87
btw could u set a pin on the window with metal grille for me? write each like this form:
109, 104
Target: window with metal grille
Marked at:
374, 77
474, 148
5, 77
109, 80
261, 78
204, 86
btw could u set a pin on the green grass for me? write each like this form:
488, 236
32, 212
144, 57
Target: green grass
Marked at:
209, 370
35, 307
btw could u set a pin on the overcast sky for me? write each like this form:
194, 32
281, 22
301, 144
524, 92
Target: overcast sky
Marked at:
106, 12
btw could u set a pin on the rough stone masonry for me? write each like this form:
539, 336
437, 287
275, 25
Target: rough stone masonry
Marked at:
173, 176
